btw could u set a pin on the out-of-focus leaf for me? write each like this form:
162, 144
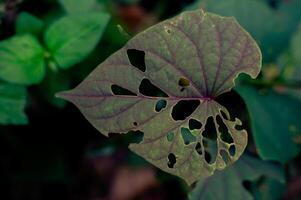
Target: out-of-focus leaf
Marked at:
53, 83
268, 189
22, 60
78, 6
275, 118
72, 38
192, 58
272, 34
27, 23
12, 104
296, 49
228, 184
290, 61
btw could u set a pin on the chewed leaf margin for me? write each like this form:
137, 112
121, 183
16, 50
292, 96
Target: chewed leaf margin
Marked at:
185, 61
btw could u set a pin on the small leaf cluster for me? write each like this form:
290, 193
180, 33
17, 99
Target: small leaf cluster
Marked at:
40, 51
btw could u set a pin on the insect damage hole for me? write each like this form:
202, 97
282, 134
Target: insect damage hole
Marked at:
184, 109
137, 59
210, 139
194, 124
208, 157
187, 136
148, 89
171, 160
210, 132
198, 148
225, 135
117, 90
232, 150
160, 105
170, 136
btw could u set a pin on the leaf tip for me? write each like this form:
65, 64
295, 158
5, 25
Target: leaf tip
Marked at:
63, 95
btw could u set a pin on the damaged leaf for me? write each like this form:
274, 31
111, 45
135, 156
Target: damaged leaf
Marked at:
186, 61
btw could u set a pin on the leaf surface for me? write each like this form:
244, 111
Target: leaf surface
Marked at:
73, 37
272, 34
27, 23
22, 60
78, 6
12, 104
275, 119
191, 58
228, 184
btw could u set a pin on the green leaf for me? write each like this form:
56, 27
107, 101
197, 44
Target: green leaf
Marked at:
191, 59
272, 34
296, 49
78, 6
275, 118
12, 104
27, 23
22, 60
72, 38
268, 189
228, 184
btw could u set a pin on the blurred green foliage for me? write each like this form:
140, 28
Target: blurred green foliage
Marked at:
52, 49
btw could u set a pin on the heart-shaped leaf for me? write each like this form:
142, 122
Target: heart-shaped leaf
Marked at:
189, 60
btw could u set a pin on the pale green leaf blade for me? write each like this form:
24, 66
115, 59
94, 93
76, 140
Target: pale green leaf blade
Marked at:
22, 60
27, 23
12, 104
192, 58
228, 184
78, 6
275, 119
73, 37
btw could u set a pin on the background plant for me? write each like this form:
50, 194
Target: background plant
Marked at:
54, 148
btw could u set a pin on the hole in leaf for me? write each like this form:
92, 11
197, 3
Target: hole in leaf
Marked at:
187, 136
210, 132
224, 115
207, 157
134, 136
130, 137
171, 160
194, 124
198, 148
225, 135
225, 156
137, 59
184, 109
135, 123
161, 104
170, 136
148, 89
232, 150
113, 135
211, 148
239, 127
117, 90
